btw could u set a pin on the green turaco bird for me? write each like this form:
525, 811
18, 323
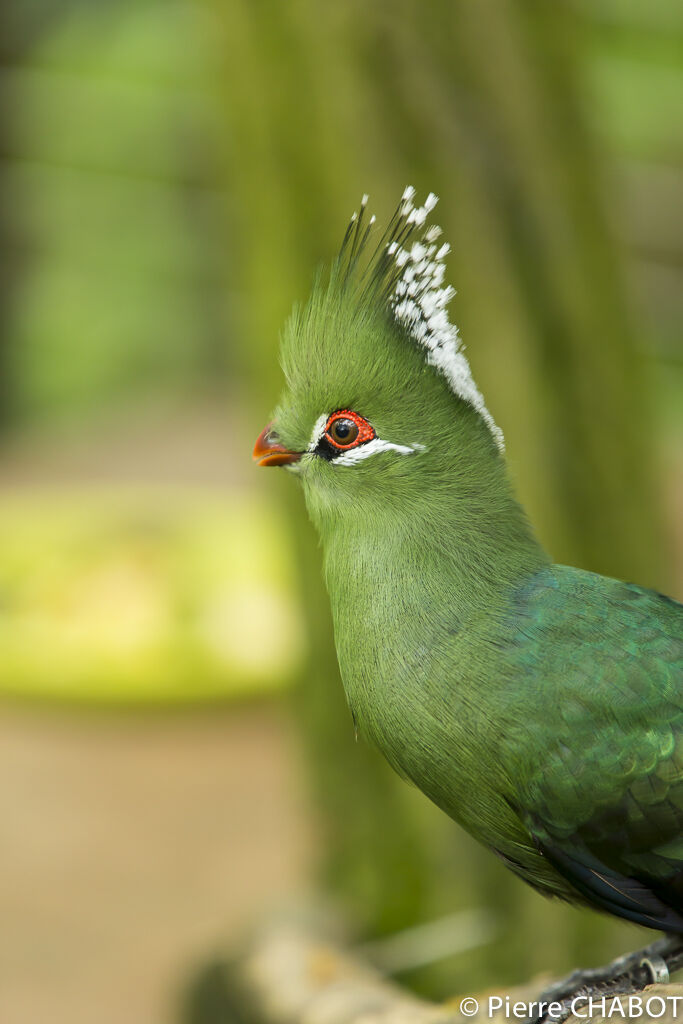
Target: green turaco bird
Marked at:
538, 705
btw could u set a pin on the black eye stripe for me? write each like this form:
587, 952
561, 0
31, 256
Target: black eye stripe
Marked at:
326, 450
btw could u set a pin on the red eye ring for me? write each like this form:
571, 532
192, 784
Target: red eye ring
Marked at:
359, 431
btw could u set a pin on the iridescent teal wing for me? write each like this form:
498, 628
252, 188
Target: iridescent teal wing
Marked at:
601, 741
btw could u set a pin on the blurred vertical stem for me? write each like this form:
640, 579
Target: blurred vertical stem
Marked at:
284, 191
5, 239
22, 27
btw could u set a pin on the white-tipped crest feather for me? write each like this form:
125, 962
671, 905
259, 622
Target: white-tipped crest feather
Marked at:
419, 304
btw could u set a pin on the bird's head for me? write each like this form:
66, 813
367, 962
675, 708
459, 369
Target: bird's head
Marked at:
380, 408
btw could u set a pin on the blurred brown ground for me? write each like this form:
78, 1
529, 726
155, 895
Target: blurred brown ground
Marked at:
132, 846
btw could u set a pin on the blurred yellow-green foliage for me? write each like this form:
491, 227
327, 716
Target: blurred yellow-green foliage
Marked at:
115, 596
172, 174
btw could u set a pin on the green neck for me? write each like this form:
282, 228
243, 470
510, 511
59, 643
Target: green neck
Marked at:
462, 549
412, 589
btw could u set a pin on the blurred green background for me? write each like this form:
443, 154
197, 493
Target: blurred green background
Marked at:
176, 755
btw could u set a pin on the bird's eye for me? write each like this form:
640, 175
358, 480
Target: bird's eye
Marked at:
346, 429
343, 431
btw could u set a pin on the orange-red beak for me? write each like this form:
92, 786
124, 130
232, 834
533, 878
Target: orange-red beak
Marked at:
269, 453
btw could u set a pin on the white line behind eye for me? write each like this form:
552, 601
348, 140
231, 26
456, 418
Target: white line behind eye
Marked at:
364, 451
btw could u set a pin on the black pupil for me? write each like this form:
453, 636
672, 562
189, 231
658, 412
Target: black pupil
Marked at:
344, 431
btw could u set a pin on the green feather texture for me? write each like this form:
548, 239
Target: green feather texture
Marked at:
539, 706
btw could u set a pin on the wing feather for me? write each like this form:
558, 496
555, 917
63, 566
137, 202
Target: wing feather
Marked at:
602, 781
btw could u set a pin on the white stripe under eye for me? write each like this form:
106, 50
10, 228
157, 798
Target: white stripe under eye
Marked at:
374, 447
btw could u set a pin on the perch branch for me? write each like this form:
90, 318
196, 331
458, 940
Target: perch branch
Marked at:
288, 974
